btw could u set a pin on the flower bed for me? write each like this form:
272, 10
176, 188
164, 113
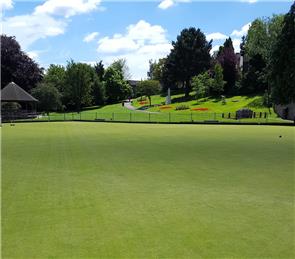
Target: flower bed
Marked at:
200, 109
165, 107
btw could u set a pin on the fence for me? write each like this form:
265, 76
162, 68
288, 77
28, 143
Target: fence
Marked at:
164, 117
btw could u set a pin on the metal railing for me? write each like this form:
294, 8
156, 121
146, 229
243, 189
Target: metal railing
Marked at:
164, 117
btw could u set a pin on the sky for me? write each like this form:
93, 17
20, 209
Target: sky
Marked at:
56, 31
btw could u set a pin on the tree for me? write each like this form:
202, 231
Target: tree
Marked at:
78, 85
149, 88
116, 87
202, 84
217, 86
17, 66
156, 69
48, 96
99, 69
121, 66
257, 49
228, 60
189, 56
55, 76
282, 62
98, 90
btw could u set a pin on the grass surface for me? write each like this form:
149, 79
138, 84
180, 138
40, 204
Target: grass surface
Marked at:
80, 190
116, 112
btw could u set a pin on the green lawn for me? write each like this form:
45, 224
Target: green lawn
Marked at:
116, 112
85, 190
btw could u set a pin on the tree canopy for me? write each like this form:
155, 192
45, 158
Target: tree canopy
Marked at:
149, 88
282, 66
189, 56
17, 66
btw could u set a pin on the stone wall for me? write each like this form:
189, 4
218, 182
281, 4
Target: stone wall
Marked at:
286, 112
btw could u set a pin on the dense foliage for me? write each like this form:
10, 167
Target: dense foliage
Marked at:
48, 96
116, 87
149, 88
228, 60
17, 66
190, 56
282, 74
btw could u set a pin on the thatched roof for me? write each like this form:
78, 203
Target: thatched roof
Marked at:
13, 93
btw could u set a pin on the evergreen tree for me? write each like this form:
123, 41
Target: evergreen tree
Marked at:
282, 67
189, 56
228, 60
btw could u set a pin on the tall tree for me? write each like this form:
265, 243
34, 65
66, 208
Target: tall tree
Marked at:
116, 87
228, 60
260, 41
99, 69
17, 66
121, 66
282, 65
48, 96
189, 56
55, 76
78, 85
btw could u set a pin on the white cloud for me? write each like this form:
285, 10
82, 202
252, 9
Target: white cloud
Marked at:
29, 28
42, 23
216, 36
242, 32
214, 48
165, 4
140, 43
137, 35
116, 44
90, 37
33, 54
6, 4
236, 44
250, 1
67, 8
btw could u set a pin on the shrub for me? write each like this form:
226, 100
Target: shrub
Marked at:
182, 107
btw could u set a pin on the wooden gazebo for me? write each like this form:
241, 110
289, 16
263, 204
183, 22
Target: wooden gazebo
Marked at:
12, 93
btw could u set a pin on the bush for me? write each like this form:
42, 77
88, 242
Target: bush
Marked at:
257, 103
182, 107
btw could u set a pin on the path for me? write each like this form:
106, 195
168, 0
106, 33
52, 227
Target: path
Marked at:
128, 105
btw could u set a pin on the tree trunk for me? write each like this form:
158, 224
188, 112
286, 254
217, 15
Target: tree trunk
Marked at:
187, 89
150, 100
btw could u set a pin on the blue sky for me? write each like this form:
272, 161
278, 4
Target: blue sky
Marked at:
55, 31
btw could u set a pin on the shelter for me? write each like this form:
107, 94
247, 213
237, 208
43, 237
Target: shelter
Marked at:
12, 94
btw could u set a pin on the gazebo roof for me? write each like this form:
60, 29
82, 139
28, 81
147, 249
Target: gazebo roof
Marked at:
13, 93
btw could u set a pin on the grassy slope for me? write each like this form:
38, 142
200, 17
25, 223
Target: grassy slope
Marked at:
216, 108
134, 191
232, 104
